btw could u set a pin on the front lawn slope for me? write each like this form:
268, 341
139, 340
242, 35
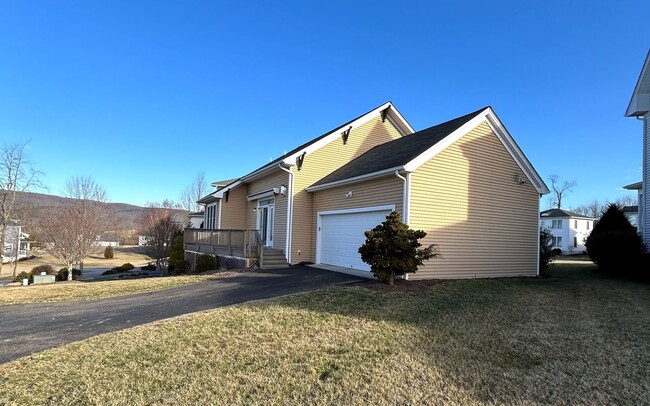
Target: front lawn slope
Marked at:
575, 338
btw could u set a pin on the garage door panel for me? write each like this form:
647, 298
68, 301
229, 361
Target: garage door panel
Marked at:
342, 235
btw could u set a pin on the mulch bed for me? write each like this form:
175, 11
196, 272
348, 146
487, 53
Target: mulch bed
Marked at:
401, 285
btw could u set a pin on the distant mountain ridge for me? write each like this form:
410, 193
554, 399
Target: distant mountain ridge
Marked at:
127, 216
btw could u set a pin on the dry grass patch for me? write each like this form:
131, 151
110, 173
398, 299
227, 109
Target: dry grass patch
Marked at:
128, 253
575, 338
84, 290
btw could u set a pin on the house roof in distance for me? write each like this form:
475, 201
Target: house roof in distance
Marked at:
634, 186
562, 213
630, 209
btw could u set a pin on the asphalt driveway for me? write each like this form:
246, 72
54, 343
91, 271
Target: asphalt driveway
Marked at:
29, 328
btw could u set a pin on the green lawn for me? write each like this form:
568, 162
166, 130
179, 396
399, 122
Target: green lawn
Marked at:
575, 338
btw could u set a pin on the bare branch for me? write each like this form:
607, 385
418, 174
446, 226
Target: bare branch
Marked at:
16, 175
559, 189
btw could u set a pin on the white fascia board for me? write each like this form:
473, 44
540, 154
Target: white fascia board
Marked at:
355, 179
501, 133
396, 118
444, 143
638, 105
219, 193
517, 154
260, 172
336, 133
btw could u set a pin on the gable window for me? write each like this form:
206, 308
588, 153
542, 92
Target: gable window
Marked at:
575, 242
556, 224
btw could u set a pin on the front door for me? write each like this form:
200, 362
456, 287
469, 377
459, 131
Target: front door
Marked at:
265, 217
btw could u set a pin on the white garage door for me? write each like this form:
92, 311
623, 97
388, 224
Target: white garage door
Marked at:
342, 235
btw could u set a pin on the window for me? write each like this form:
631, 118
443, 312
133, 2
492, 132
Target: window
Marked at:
587, 225
575, 224
556, 224
557, 242
575, 242
210, 217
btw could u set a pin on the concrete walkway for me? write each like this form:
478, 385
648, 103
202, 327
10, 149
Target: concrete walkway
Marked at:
29, 328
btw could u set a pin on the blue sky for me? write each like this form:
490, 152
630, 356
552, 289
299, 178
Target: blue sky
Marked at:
142, 95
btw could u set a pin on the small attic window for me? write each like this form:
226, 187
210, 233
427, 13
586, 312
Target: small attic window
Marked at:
346, 134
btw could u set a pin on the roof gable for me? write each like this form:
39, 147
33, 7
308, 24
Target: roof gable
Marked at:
395, 154
640, 101
410, 152
387, 111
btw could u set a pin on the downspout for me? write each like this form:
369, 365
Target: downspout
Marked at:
406, 203
289, 212
539, 226
219, 203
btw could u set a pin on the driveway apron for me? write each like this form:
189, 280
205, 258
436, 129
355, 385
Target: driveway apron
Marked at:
29, 328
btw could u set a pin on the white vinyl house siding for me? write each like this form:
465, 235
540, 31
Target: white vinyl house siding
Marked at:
644, 201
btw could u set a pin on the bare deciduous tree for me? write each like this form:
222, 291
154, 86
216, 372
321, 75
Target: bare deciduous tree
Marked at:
159, 226
193, 192
592, 209
596, 209
559, 189
71, 233
16, 175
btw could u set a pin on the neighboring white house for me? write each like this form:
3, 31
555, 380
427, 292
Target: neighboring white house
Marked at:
570, 230
637, 220
17, 245
632, 215
639, 107
196, 219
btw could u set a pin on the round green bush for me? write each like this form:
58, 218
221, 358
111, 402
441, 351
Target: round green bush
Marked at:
206, 263
108, 252
48, 269
23, 275
62, 275
614, 243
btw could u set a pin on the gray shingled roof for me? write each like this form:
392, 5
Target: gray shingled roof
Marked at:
561, 213
398, 152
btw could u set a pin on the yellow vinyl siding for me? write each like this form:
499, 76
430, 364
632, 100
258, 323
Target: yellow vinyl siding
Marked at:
319, 164
233, 211
274, 180
468, 200
378, 192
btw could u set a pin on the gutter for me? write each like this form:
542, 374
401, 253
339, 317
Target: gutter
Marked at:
289, 213
360, 178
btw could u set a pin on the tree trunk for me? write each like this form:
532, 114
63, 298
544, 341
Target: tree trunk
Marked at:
391, 279
69, 266
2, 245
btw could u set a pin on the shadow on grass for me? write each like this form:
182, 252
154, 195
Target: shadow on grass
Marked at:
576, 336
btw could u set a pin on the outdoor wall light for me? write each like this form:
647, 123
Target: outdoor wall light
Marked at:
522, 179
349, 194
